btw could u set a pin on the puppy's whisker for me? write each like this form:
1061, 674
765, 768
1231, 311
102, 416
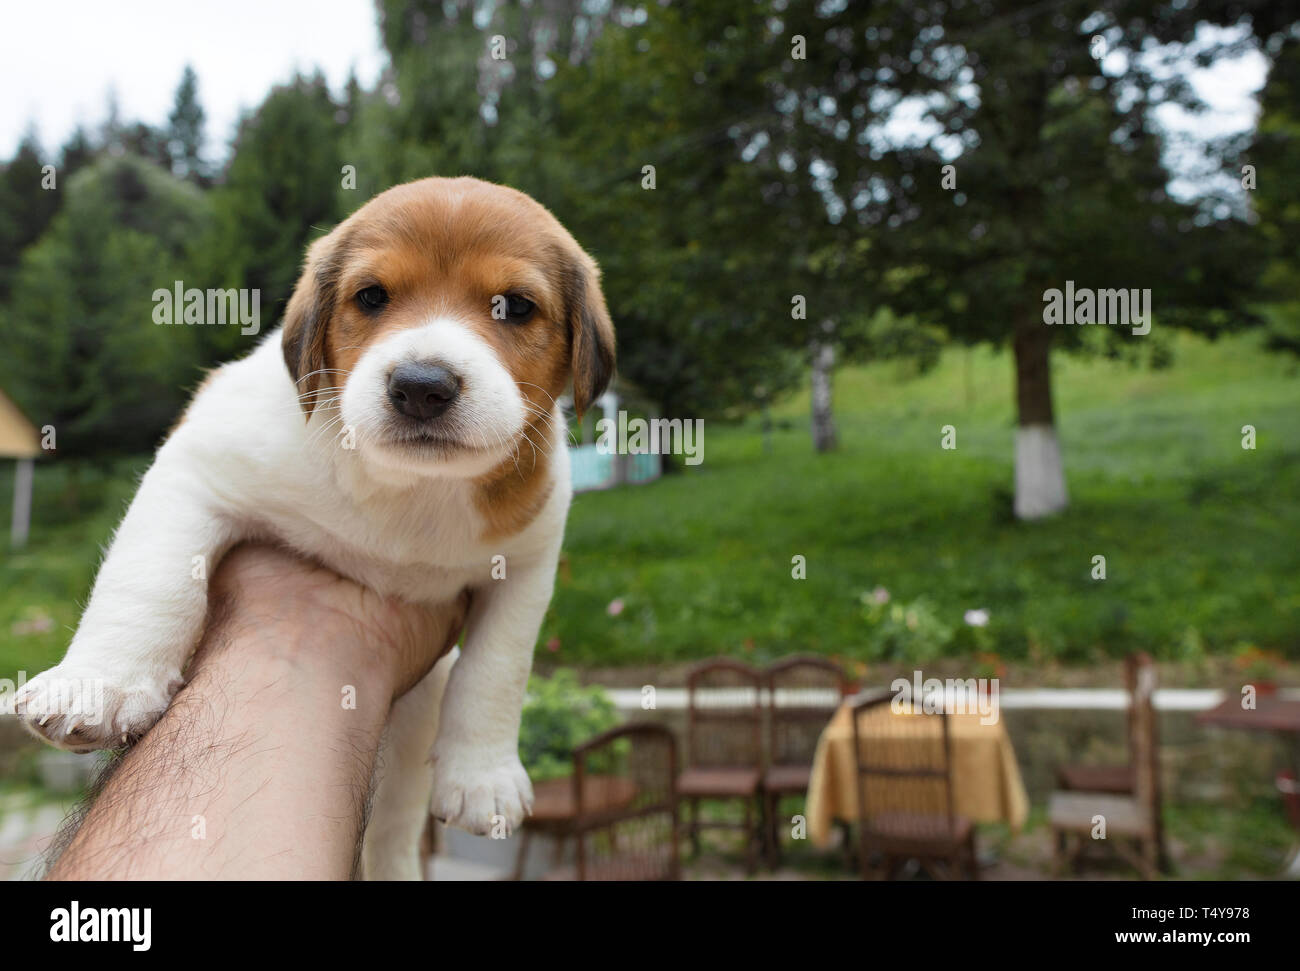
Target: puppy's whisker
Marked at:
514, 455
319, 435
550, 422
548, 415
533, 447
532, 409
529, 384
296, 406
306, 395
543, 429
324, 370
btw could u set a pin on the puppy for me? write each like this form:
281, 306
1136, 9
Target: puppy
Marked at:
402, 429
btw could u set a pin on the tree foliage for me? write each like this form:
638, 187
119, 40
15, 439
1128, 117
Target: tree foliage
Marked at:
796, 151
84, 353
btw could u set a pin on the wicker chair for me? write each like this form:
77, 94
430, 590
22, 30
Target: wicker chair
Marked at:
905, 801
724, 747
623, 807
803, 693
1132, 820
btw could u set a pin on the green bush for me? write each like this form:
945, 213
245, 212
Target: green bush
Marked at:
912, 631
560, 714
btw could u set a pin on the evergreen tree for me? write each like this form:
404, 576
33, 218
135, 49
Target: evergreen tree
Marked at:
27, 204
184, 135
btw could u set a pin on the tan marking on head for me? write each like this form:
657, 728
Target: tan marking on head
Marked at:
447, 247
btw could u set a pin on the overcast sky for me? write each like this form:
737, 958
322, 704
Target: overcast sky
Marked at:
59, 61
57, 64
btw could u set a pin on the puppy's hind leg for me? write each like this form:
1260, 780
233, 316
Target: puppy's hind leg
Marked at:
400, 810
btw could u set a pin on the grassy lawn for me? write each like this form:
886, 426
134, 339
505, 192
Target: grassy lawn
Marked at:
75, 510
1199, 535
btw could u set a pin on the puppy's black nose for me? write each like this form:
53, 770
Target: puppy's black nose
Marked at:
422, 390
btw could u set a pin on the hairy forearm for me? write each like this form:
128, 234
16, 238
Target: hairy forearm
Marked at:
261, 768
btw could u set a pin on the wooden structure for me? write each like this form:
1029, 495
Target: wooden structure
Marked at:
803, 693
1281, 716
724, 748
905, 801
619, 807
19, 440
1126, 821
1121, 780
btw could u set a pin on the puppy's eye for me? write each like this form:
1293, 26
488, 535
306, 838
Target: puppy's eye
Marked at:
372, 298
518, 309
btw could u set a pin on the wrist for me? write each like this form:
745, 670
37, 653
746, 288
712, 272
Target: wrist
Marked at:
328, 667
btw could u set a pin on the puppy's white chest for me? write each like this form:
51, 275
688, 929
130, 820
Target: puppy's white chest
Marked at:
419, 545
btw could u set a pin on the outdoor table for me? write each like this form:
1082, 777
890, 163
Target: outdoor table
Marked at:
1270, 714
986, 783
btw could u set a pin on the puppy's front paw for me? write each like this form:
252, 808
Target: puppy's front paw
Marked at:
478, 792
83, 709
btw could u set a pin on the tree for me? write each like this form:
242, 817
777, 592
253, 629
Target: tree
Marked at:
279, 191
84, 354
740, 265
184, 133
697, 273
427, 116
1274, 158
1043, 112
77, 152
27, 205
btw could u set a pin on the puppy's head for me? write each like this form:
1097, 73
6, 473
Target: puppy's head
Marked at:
441, 321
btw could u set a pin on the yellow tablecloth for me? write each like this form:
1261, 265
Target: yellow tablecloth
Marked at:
987, 787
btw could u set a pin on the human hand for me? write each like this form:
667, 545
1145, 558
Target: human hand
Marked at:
308, 614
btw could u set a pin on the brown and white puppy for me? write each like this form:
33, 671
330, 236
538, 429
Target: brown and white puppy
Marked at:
425, 345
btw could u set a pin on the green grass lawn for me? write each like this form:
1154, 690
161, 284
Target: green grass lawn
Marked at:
1201, 537
42, 587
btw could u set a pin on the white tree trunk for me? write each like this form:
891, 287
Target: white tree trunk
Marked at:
823, 417
1040, 475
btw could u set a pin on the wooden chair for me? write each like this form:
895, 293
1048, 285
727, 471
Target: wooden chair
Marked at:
555, 814
1120, 779
624, 806
724, 747
905, 800
803, 693
1117, 779
1131, 820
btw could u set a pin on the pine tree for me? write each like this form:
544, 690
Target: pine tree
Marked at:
184, 134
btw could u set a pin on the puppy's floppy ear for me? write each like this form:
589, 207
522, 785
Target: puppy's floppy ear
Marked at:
306, 321
591, 332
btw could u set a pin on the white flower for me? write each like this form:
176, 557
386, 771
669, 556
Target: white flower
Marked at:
880, 596
977, 618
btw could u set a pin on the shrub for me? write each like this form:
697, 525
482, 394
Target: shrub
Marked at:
559, 714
